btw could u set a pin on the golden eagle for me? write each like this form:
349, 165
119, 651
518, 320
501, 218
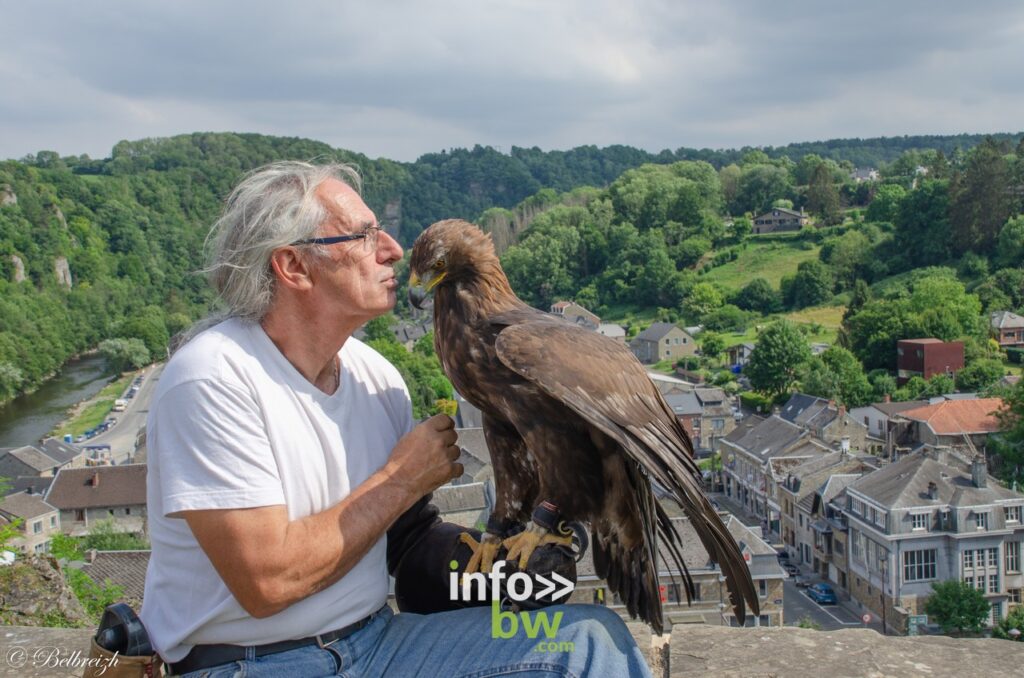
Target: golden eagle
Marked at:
575, 427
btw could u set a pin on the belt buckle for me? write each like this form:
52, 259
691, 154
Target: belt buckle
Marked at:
321, 644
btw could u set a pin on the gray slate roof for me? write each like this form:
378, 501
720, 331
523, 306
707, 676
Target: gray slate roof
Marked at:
26, 506
767, 438
656, 331
801, 409
60, 450
685, 403
1004, 320
118, 486
15, 461
30, 484
127, 569
905, 483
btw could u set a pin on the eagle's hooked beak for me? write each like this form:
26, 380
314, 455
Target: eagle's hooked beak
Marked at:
419, 290
416, 292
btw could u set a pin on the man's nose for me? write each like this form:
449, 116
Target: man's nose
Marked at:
388, 249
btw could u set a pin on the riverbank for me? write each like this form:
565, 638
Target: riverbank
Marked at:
91, 412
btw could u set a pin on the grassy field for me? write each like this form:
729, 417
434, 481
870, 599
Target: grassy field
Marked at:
91, 413
770, 260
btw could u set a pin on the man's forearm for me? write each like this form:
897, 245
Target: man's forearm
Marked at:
282, 562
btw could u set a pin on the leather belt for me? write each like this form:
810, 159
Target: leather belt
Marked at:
206, 656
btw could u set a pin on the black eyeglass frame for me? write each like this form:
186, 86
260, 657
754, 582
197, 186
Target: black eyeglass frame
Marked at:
335, 239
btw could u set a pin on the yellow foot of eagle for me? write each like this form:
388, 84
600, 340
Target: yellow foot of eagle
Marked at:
522, 545
484, 551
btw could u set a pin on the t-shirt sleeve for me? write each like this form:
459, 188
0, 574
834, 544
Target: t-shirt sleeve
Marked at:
213, 450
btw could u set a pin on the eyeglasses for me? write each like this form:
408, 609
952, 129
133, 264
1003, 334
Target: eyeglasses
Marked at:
369, 236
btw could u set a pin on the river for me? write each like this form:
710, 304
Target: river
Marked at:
25, 420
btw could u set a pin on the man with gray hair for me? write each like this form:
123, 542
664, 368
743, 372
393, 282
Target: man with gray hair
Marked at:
287, 477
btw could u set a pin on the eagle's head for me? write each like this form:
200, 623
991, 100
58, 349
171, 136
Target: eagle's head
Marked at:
448, 252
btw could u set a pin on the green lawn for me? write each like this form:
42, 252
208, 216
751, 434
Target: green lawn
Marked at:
96, 410
768, 259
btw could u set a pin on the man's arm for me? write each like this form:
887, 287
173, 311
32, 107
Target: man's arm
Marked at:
254, 550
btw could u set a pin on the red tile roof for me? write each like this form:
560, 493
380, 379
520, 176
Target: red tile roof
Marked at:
953, 417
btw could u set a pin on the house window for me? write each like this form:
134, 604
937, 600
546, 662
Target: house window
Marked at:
919, 565
969, 581
1012, 556
718, 424
41, 548
670, 593
1014, 595
969, 559
37, 527
53, 521
879, 518
128, 510
996, 614
696, 592
919, 521
993, 557
79, 515
801, 520
993, 583
762, 588
1012, 514
981, 521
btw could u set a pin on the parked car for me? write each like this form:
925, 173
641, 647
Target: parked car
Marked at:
791, 569
822, 594
801, 581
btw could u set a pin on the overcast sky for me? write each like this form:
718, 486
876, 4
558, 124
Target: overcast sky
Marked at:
401, 78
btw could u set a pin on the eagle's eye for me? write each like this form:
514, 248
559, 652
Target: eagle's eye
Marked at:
439, 264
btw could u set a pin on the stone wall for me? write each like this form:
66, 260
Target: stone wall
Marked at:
694, 650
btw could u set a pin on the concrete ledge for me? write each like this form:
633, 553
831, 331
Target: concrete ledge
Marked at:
695, 650
788, 651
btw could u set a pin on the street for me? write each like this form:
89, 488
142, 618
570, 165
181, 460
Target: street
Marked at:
121, 436
796, 605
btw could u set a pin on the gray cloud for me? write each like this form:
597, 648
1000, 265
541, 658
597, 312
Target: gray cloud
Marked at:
401, 78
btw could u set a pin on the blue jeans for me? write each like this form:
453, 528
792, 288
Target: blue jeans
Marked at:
591, 641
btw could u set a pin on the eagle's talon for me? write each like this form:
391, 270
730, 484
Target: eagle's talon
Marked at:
484, 551
523, 545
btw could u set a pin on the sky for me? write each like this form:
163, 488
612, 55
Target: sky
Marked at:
399, 78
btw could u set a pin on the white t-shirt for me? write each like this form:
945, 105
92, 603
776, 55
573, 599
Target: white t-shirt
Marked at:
234, 425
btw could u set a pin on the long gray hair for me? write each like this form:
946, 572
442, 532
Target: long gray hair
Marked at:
273, 206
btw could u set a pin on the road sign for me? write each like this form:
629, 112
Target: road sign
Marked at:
866, 618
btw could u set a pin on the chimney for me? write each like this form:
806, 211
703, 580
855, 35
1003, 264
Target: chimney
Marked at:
887, 398
842, 411
933, 491
95, 480
979, 471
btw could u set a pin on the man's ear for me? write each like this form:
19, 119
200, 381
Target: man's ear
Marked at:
291, 268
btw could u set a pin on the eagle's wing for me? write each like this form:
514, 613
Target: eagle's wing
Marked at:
600, 379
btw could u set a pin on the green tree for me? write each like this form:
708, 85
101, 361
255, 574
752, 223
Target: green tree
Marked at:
1010, 249
812, 285
980, 198
712, 344
123, 354
955, 606
774, 364
759, 186
822, 196
886, 204
758, 295
10, 379
922, 233
979, 375
380, 328
1008, 444
1014, 620
702, 299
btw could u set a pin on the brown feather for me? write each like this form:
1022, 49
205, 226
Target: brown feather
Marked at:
571, 416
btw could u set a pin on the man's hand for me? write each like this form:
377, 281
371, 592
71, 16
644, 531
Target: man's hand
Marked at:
425, 458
